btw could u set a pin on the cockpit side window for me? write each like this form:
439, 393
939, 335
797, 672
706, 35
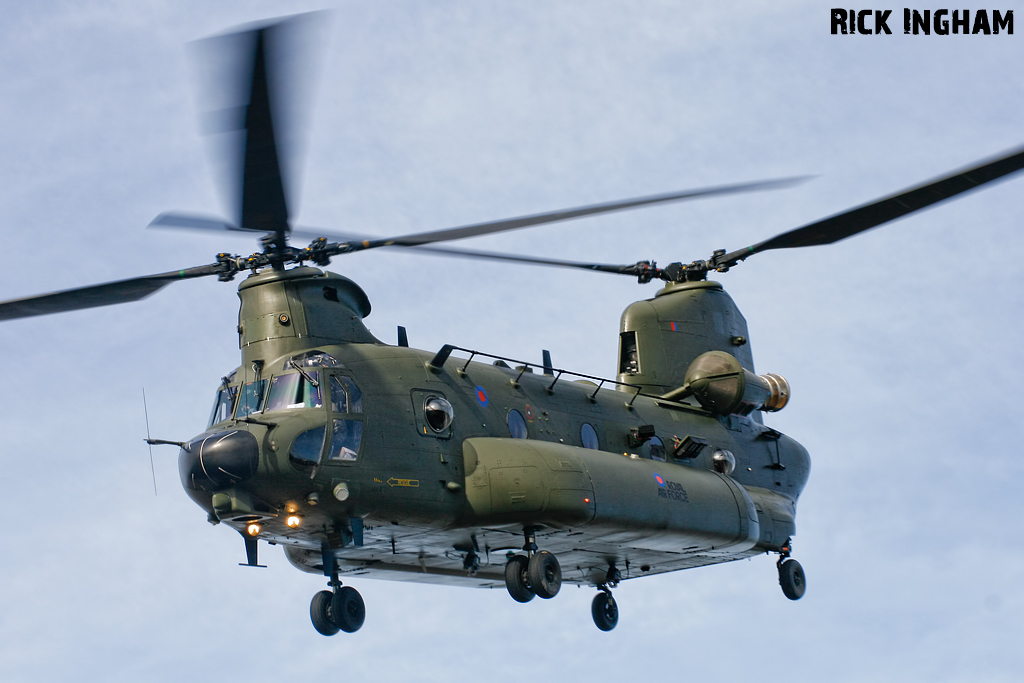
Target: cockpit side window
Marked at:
345, 395
251, 398
294, 390
224, 405
345, 440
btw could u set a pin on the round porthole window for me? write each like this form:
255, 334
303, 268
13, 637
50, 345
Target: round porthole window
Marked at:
516, 425
724, 461
588, 435
438, 413
654, 449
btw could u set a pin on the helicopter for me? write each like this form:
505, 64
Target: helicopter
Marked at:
308, 368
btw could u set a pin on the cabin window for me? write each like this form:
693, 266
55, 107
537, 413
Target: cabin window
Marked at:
294, 391
224, 405
348, 435
588, 436
653, 449
516, 425
306, 449
438, 413
251, 398
345, 395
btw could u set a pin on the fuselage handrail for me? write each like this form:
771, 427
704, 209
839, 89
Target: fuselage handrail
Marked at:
523, 365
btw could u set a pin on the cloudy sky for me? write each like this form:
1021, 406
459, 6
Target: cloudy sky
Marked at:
901, 345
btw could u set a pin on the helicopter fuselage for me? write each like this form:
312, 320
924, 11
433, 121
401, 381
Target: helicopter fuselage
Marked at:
403, 467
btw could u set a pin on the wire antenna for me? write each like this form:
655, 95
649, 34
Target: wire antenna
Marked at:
149, 440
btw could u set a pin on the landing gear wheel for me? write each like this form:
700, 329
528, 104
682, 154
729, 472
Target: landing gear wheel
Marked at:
517, 579
792, 579
605, 611
545, 574
347, 609
320, 613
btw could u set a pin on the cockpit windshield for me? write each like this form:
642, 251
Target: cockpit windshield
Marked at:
295, 390
251, 398
224, 405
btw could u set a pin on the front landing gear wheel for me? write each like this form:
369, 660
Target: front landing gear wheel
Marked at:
792, 579
320, 613
517, 579
605, 611
545, 574
347, 609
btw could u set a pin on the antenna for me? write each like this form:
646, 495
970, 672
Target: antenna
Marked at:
149, 441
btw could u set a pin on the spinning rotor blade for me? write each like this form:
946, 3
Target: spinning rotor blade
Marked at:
826, 231
362, 242
256, 78
868, 216
192, 222
263, 202
181, 220
490, 227
106, 294
496, 256
177, 220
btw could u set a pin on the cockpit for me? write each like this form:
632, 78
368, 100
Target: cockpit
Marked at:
298, 385
311, 381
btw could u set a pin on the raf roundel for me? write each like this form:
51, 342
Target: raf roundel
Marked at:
661, 482
481, 396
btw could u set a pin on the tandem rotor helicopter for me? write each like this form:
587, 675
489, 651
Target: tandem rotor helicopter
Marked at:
456, 466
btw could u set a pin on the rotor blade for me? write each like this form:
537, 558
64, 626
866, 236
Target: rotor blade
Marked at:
478, 229
106, 294
263, 200
193, 222
496, 256
868, 216
178, 220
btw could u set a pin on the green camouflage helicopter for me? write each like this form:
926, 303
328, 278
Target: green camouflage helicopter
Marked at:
456, 466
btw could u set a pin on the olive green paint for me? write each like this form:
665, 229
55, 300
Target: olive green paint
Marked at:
424, 499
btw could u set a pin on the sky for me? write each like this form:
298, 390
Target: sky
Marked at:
901, 344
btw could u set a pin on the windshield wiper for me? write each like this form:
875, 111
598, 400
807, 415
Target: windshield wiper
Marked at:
304, 374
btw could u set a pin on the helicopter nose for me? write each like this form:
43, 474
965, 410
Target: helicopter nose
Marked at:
218, 460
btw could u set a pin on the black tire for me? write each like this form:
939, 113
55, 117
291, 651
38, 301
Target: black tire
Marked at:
792, 579
545, 574
605, 611
320, 613
517, 579
347, 609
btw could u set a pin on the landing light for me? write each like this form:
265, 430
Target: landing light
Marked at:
253, 529
293, 521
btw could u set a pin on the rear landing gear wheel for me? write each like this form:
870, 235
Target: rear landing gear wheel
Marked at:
605, 611
792, 579
545, 574
347, 609
320, 613
517, 579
